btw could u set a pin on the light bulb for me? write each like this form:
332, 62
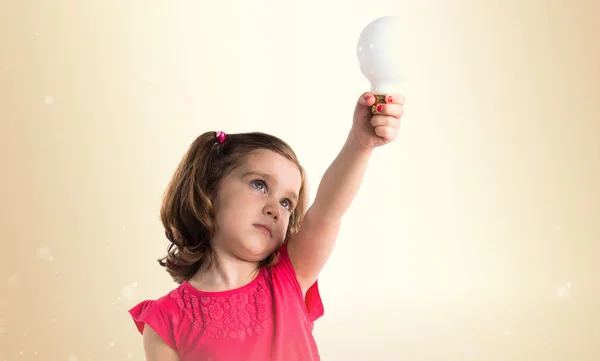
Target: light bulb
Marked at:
378, 52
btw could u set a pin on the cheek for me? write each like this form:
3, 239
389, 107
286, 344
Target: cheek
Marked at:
225, 211
236, 209
228, 202
284, 227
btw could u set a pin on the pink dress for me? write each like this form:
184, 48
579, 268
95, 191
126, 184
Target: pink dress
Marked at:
266, 320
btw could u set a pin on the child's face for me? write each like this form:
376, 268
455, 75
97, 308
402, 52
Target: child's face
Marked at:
253, 206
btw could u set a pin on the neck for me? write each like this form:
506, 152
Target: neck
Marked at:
225, 273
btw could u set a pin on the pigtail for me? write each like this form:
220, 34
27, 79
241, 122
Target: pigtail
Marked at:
187, 209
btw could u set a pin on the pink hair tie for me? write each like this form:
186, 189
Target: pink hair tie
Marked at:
220, 136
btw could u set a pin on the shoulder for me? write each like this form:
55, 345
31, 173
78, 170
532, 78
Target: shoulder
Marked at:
162, 315
162, 306
284, 279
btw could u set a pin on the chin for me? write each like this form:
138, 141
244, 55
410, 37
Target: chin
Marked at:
258, 251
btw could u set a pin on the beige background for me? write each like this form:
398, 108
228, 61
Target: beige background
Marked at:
475, 235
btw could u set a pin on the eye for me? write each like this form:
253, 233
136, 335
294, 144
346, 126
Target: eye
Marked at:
260, 185
286, 203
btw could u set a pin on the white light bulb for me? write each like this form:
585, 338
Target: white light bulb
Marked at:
378, 52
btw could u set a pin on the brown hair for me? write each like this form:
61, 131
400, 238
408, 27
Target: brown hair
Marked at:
187, 212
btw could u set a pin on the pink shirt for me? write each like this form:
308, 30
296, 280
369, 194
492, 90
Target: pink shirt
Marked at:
266, 320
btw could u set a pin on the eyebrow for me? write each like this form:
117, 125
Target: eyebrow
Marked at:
268, 177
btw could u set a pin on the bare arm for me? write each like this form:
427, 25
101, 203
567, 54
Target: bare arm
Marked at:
312, 246
155, 348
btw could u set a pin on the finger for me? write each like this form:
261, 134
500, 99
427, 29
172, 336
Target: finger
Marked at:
395, 99
366, 99
384, 121
387, 133
394, 110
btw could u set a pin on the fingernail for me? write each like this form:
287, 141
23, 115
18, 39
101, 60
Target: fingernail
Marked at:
379, 107
389, 99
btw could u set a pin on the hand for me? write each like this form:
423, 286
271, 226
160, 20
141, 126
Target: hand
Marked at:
372, 131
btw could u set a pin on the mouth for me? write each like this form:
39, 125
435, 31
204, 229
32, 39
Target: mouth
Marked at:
264, 229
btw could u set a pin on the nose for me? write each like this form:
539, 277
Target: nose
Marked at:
272, 209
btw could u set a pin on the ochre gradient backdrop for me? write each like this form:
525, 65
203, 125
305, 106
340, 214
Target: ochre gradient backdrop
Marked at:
475, 236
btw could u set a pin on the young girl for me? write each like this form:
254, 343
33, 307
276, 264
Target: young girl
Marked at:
245, 251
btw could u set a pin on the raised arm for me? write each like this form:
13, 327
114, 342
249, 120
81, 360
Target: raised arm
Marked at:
311, 247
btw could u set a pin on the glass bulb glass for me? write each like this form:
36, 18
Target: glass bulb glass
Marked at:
378, 54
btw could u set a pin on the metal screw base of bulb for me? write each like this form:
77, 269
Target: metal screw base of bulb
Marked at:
379, 99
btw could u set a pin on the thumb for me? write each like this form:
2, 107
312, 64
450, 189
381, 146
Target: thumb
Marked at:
366, 99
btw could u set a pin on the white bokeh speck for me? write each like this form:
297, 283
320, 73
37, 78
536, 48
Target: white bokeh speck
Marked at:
13, 280
49, 100
44, 254
128, 291
564, 291
72, 358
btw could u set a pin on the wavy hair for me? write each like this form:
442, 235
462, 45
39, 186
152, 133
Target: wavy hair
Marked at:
187, 211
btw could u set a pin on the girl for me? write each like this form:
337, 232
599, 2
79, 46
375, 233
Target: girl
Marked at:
245, 251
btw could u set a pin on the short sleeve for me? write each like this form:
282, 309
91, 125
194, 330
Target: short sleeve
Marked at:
154, 314
312, 298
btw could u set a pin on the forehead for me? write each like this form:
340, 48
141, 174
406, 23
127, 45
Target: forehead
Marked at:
275, 166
